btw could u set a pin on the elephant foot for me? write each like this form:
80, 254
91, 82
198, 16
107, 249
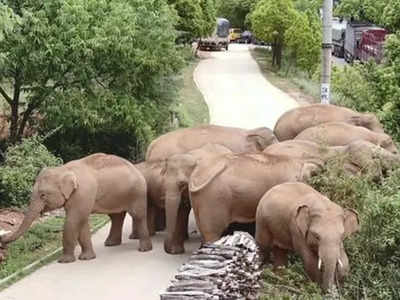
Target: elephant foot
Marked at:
145, 245
174, 249
112, 242
66, 258
87, 255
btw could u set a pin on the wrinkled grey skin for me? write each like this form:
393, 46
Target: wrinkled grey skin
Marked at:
238, 140
295, 217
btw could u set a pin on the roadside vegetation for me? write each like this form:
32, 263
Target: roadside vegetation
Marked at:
292, 29
111, 82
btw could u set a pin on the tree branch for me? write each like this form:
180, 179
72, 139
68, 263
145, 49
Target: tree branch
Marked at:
5, 95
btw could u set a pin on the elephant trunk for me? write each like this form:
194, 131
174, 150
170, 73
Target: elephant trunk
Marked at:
34, 210
329, 260
172, 203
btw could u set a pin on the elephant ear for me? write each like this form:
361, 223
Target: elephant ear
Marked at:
261, 137
303, 219
69, 184
351, 222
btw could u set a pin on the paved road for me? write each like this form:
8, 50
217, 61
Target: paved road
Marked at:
238, 95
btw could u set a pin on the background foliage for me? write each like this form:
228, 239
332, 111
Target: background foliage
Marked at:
18, 172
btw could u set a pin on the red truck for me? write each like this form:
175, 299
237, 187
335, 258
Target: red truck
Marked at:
364, 41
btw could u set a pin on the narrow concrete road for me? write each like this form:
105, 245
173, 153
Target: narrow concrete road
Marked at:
236, 92
238, 95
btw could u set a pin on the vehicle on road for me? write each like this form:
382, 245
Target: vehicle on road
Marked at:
338, 36
246, 37
364, 41
234, 34
219, 39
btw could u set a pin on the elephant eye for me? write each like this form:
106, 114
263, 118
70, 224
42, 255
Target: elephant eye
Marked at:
42, 196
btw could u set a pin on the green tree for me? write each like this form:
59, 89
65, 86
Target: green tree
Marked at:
209, 17
85, 46
235, 11
270, 20
303, 40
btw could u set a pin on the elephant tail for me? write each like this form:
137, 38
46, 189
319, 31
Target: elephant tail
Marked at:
198, 181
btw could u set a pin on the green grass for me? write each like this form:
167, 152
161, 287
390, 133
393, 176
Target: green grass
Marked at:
192, 109
42, 239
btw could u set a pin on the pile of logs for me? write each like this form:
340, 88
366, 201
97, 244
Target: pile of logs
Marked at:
227, 269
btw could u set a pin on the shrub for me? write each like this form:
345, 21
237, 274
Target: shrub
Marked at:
18, 172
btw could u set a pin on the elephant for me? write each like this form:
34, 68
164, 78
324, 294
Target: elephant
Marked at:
294, 121
98, 183
226, 189
177, 173
358, 156
295, 217
341, 134
238, 140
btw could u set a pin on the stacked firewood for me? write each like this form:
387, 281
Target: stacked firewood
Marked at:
227, 269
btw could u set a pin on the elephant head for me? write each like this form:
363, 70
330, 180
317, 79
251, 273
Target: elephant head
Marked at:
260, 138
176, 174
52, 188
386, 142
323, 232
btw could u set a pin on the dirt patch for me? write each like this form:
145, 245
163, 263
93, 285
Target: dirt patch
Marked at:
10, 220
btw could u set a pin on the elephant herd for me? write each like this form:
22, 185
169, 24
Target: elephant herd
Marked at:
226, 175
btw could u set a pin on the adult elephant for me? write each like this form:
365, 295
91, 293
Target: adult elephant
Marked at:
341, 134
294, 121
238, 140
177, 173
167, 192
98, 183
226, 189
295, 217
358, 156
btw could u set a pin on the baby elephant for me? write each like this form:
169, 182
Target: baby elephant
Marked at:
295, 217
98, 183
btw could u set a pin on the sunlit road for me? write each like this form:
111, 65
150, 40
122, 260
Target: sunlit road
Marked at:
237, 93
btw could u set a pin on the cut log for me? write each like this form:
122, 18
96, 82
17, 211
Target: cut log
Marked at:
230, 269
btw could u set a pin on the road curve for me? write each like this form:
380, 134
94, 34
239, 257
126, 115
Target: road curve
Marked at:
236, 92
238, 95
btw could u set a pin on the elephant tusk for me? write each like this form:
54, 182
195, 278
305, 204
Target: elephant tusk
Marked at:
340, 263
319, 263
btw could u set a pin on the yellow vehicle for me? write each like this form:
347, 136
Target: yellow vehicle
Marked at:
234, 34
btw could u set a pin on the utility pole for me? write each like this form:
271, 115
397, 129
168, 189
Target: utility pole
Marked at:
326, 51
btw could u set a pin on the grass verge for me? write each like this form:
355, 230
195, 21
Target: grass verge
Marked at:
41, 242
192, 109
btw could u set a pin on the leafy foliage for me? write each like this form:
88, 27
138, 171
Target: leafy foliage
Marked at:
270, 20
303, 39
235, 11
123, 47
18, 172
196, 18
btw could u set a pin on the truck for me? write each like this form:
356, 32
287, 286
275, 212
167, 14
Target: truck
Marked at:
338, 36
363, 41
220, 37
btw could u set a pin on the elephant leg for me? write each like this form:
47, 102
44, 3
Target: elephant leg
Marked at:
280, 257
86, 243
72, 228
138, 212
211, 222
264, 241
115, 236
160, 222
151, 223
177, 244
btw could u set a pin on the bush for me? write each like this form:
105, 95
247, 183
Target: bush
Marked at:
18, 172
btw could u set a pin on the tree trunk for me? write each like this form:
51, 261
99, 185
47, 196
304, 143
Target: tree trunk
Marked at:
14, 108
